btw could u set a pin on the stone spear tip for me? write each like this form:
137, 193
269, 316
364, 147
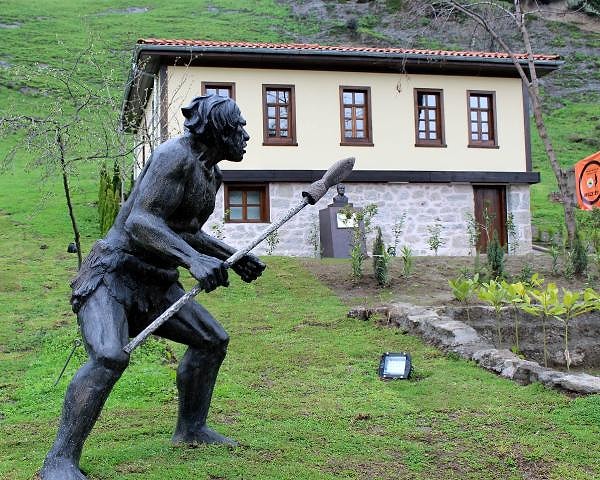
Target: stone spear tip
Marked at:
334, 175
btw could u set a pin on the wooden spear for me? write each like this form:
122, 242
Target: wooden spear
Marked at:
315, 191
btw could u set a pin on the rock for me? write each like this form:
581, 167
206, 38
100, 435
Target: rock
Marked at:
580, 383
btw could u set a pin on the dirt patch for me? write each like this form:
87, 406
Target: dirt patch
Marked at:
428, 284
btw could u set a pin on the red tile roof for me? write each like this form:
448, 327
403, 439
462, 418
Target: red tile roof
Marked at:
335, 49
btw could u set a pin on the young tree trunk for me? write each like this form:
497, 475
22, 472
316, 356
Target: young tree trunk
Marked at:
532, 84
65, 178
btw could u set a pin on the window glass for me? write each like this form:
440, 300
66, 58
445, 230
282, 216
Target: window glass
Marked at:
253, 213
235, 213
246, 203
223, 90
428, 114
481, 115
355, 114
278, 109
235, 196
252, 196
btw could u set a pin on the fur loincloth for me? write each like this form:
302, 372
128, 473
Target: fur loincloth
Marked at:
134, 283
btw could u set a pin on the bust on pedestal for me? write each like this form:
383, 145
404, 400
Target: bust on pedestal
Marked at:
335, 228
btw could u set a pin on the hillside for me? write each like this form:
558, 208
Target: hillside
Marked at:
299, 388
55, 32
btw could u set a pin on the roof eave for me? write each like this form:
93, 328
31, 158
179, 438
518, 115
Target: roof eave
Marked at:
147, 60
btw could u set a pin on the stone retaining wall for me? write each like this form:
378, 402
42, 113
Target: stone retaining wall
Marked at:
584, 335
455, 336
423, 204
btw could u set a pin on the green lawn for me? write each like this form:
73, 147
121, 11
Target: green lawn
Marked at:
298, 389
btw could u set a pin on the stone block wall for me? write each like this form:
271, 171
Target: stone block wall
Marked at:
423, 203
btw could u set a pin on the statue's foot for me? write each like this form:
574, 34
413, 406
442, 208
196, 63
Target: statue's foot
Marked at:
60, 469
204, 435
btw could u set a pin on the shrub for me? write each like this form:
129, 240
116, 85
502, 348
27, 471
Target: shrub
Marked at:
579, 256
435, 240
109, 198
381, 260
407, 260
495, 256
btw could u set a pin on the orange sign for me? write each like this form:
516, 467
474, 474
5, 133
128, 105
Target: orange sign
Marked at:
587, 178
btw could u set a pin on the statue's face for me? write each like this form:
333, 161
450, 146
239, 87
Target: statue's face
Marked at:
341, 189
235, 142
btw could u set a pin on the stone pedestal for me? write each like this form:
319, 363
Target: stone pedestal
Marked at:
336, 235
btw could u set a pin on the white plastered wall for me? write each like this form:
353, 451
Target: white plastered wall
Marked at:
318, 119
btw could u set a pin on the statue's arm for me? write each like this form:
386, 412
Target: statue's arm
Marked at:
160, 193
249, 267
209, 245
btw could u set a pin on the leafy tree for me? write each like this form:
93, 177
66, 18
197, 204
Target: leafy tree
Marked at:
74, 121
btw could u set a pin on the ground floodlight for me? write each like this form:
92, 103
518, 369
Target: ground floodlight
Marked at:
395, 366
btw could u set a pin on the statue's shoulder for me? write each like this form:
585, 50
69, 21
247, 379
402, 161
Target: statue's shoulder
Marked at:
173, 154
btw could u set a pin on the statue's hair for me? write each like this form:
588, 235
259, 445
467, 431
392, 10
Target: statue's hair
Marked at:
210, 116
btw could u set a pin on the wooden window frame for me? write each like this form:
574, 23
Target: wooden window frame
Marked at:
492, 115
229, 85
263, 188
290, 140
440, 125
367, 141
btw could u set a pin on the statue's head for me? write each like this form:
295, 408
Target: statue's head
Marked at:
341, 189
218, 123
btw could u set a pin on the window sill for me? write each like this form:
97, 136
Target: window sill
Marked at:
280, 144
482, 146
434, 145
356, 144
246, 221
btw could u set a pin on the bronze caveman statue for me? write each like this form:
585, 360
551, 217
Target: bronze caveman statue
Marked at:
131, 276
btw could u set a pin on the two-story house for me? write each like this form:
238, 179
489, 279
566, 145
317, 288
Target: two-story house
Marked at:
438, 136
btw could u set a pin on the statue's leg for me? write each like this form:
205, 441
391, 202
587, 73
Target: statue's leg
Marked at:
104, 330
198, 369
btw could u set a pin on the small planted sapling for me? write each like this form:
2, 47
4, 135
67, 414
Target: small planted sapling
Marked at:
362, 227
570, 306
435, 240
493, 293
515, 295
495, 256
463, 289
407, 260
397, 231
381, 260
546, 300
513, 233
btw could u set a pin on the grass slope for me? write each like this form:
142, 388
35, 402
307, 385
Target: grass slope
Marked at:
298, 388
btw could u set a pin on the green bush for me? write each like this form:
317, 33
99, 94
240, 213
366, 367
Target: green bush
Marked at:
381, 260
579, 256
495, 256
109, 198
